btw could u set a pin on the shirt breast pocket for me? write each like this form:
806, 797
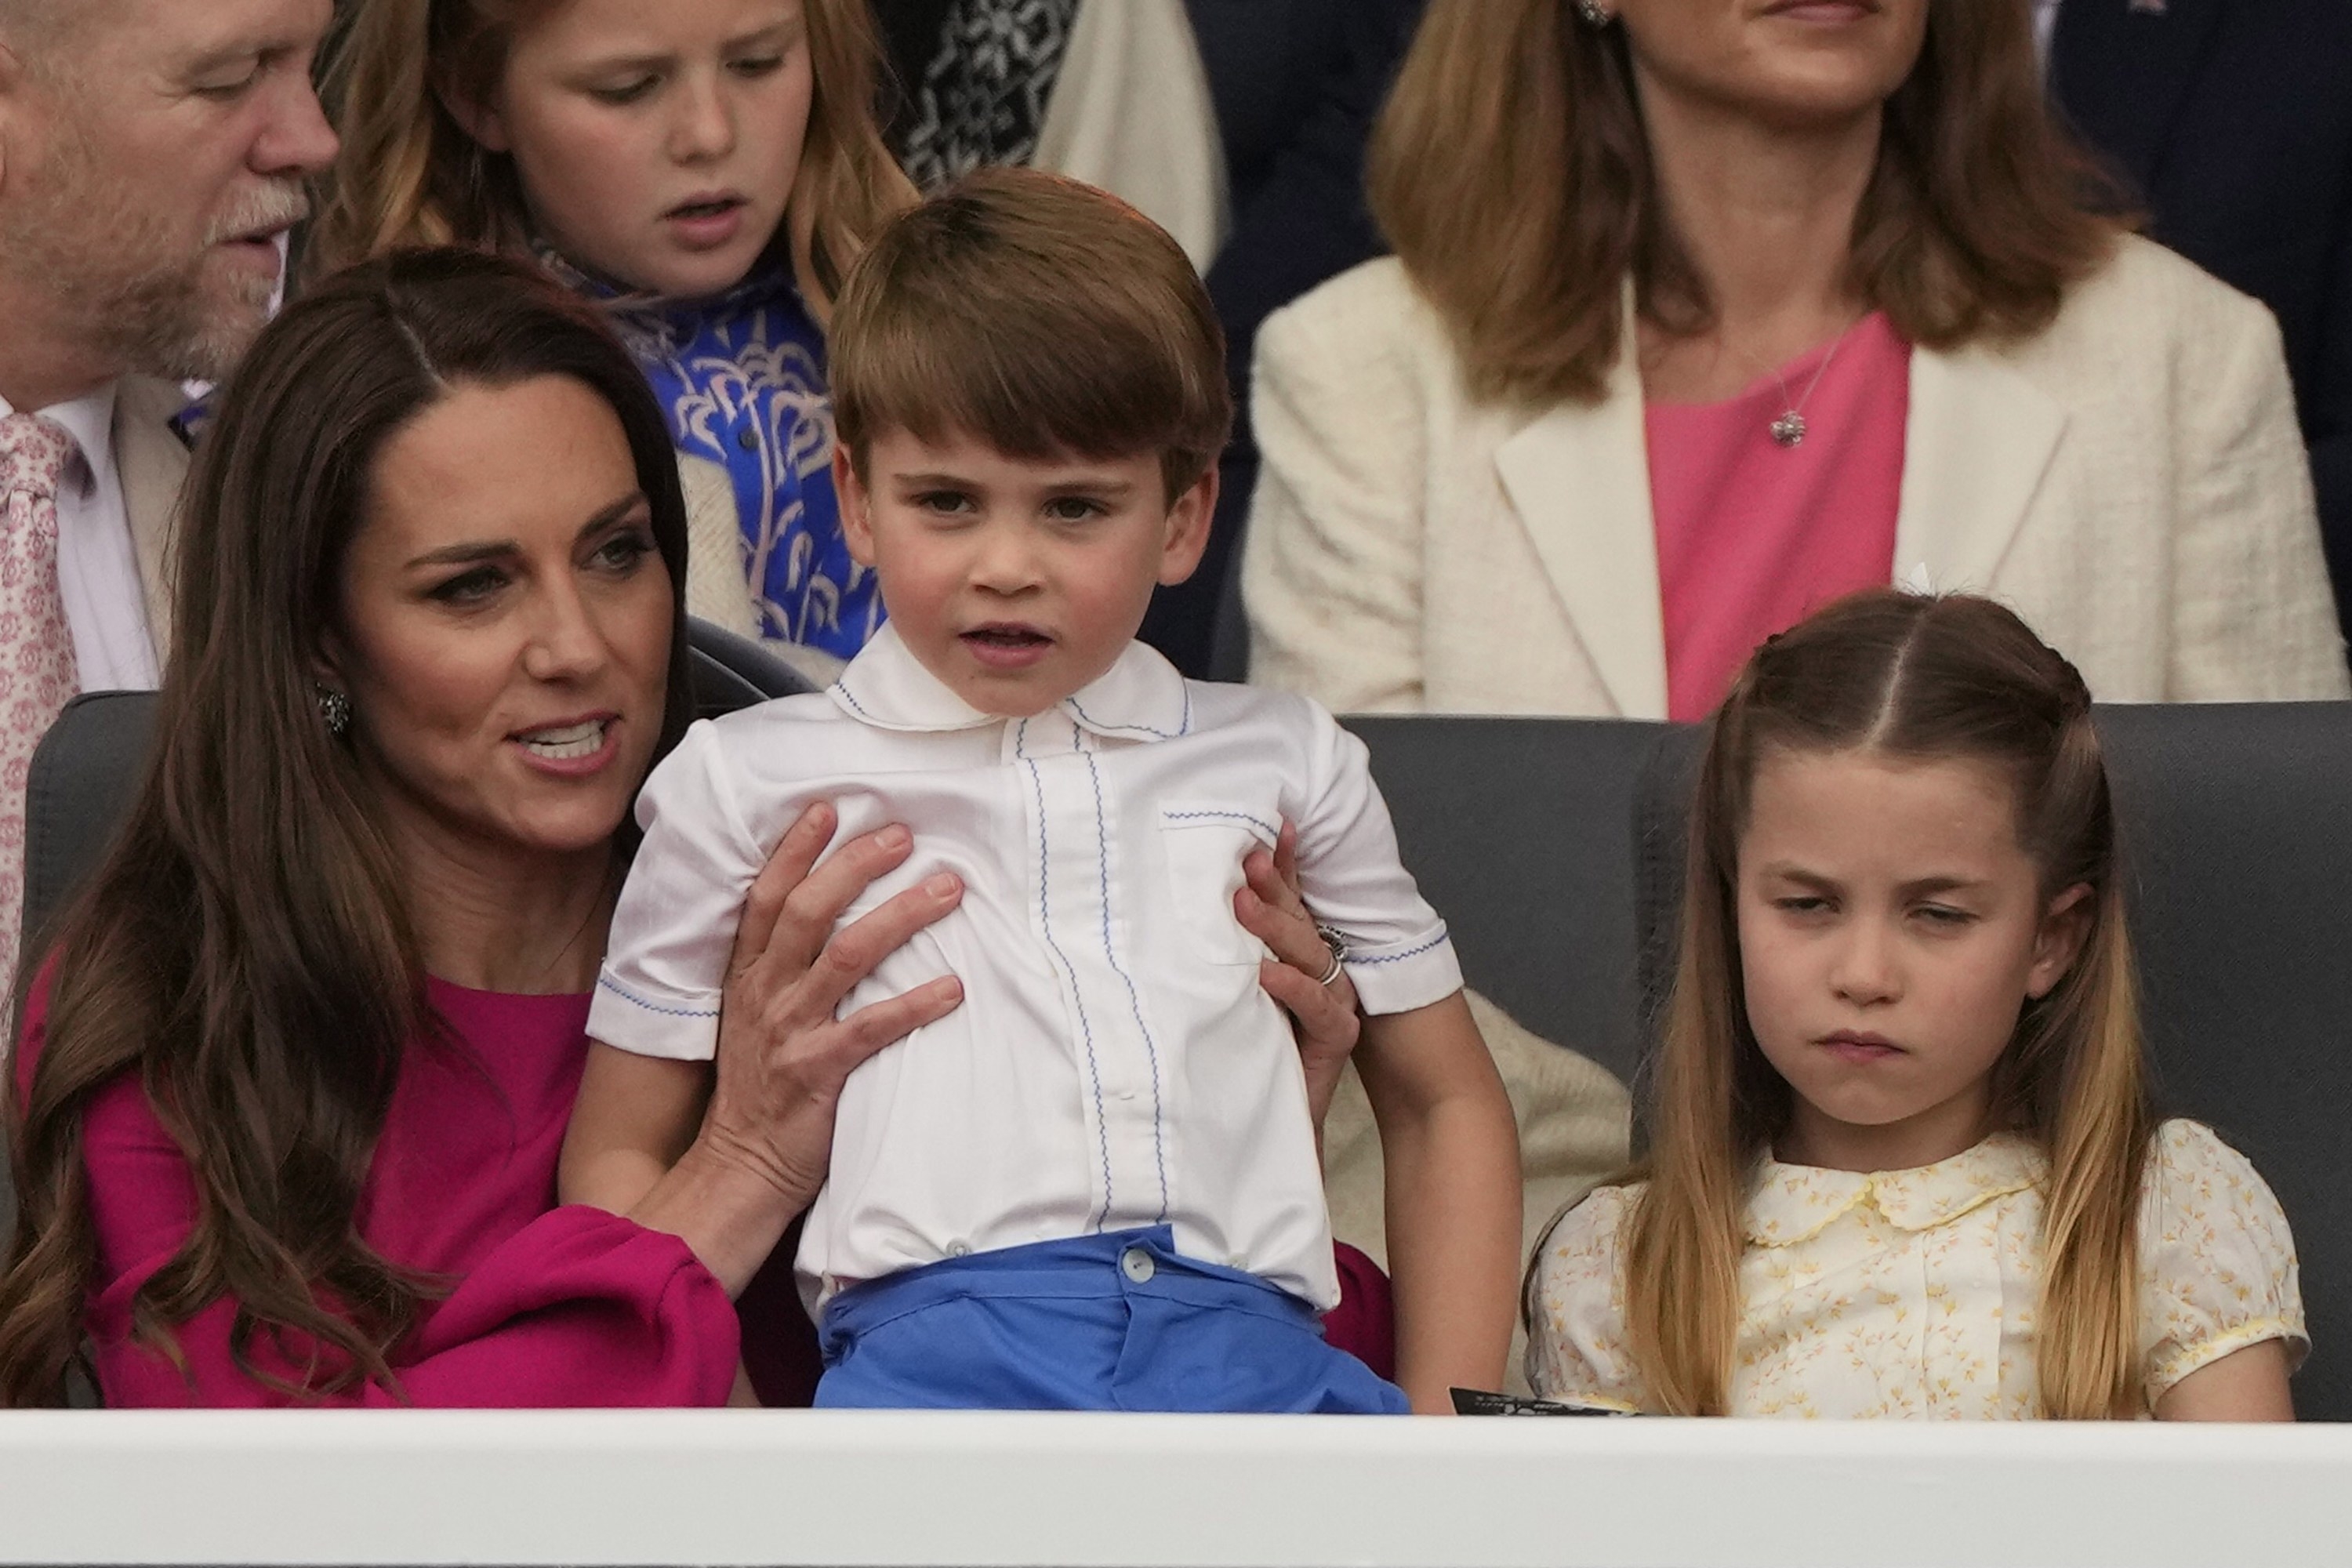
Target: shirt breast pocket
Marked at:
1203, 845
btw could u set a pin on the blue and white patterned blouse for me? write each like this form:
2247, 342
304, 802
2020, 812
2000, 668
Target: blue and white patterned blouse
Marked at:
743, 377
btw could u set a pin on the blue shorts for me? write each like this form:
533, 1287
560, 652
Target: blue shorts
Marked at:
1096, 1322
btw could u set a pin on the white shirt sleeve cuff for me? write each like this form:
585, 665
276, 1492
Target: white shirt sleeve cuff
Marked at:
1413, 975
653, 1021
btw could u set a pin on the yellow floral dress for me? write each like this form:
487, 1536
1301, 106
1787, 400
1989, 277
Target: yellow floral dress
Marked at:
1912, 1293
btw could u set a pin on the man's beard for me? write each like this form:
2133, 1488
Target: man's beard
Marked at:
121, 283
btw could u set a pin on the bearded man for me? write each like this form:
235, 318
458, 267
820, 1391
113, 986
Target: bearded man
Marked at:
152, 158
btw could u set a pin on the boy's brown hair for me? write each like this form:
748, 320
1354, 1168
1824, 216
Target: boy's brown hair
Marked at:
1040, 316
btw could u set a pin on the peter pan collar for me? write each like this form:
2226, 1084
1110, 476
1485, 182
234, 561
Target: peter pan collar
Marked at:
1141, 697
1790, 1203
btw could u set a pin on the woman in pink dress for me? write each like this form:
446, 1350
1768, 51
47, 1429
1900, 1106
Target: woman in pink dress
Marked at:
294, 1075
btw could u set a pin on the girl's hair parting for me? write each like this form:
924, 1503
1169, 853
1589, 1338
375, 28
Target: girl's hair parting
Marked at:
244, 954
1911, 677
409, 174
1511, 172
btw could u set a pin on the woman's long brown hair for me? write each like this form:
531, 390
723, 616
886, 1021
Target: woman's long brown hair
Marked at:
409, 174
1900, 675
1512, 173
245, 948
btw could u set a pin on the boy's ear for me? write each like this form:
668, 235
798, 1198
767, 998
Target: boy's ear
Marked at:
856, 519
1188, 529
482, 121
2065, 926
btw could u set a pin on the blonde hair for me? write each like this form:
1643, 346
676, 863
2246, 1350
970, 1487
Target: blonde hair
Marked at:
409, 174
1913, 676
966, 316
1511, 172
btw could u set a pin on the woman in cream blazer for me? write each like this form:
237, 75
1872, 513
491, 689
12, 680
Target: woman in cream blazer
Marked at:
2129, 475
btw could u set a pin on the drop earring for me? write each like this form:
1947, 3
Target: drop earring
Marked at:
1593, 14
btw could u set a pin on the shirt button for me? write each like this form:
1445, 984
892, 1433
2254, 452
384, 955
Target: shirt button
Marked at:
959, 1250
1137, 1265
748, 438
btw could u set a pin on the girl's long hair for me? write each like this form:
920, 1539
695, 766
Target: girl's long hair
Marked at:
245, 953
1511, 172
409, 174
1900, 675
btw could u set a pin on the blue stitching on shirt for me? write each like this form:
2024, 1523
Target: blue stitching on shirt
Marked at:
622, 991
1147, 729
1134, 999
850, 697
1259, 822
1046, 915
1440, 940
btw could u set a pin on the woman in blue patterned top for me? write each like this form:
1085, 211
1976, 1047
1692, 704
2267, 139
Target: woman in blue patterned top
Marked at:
709, 168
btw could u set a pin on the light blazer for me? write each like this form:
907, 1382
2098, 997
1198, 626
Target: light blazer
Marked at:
152, 461
2132, 481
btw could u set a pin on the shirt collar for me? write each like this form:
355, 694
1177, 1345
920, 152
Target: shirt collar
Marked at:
90, 420
1140, 698
1790, 1203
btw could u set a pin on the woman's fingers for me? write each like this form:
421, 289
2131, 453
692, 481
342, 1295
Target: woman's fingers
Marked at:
1326, 1014
788, 866
852, 952
1291, 933
812, 908
881, 1025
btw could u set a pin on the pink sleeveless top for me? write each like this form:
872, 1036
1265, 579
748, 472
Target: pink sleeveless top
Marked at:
1753, 536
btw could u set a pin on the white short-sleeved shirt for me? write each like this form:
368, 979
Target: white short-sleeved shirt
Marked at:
1913, 1293
1115, 1062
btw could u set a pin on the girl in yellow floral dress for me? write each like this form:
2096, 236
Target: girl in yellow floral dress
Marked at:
1903, 1162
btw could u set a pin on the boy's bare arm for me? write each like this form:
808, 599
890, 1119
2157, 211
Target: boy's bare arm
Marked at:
636, 1116
1452, 1155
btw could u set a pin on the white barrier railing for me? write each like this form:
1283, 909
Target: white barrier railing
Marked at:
773, 1487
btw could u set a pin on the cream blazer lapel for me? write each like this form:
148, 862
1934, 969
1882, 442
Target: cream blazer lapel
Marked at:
1978, 443
1579, 478
152, 462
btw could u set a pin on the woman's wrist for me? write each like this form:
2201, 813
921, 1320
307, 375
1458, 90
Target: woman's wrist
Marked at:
729, 1212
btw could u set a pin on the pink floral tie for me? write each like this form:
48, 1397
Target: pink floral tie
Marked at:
37, 657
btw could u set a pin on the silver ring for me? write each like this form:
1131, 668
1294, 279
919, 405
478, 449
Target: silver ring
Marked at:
1337, 942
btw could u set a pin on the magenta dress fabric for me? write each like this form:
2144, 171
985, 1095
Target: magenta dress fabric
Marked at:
547, 1307
1754, 536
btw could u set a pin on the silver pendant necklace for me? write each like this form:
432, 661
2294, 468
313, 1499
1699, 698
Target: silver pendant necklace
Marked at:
1788, 429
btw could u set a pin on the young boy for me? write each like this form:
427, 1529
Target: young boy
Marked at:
1094, 1185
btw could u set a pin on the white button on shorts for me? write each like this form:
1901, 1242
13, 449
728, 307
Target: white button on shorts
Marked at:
1137, 1265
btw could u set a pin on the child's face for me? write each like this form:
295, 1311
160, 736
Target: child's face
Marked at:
1891, 929
1017, 582
656, 144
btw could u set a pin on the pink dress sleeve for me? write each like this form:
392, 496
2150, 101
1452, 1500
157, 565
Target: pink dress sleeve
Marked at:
577, 1307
